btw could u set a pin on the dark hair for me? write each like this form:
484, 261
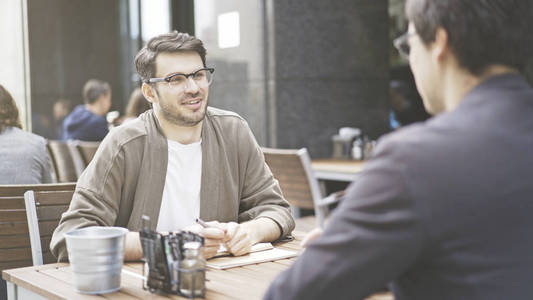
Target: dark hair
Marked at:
480, 32
169, 42
9, 113
93, 89
137, 104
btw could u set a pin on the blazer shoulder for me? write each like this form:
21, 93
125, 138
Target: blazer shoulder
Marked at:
221, 114
225, 119
132, 130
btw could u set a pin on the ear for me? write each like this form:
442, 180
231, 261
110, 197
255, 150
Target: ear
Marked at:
149, 93
441, 46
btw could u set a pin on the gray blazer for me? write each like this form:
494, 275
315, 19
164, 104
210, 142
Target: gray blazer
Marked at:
444, 210
126, 178
23, 158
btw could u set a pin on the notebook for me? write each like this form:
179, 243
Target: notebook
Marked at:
227, 262
222, 251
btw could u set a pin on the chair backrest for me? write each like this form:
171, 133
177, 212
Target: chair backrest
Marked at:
43, 212
87, 150
15, 248
67, 162
53, 169
292, 169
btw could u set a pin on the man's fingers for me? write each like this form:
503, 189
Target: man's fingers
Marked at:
212, 242
196, 228
212, 233
231, 229
242, 247
217, 224
237, 237
311, 236
210, 251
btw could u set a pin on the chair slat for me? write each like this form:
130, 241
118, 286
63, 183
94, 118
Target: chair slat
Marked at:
51, 213
4, 265
46, 228
11, 203
15, 254
13, 228
55, 198
18, 190
12, 215
45, 243
15, 241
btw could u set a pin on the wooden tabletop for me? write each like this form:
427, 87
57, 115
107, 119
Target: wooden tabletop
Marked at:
54, 281
336, 169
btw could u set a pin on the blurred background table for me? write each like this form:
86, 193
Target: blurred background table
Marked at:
336, 169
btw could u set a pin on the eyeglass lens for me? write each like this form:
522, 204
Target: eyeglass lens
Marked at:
402, 44
201, 77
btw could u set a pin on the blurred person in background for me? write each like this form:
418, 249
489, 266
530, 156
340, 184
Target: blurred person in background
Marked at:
23, 155
406, 104
61, 110
137, 104
443, 209
87, 122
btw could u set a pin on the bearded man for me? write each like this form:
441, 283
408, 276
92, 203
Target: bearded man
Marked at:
179, 161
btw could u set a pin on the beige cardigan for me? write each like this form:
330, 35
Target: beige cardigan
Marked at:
125, 180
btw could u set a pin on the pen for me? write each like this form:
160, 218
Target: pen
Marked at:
201, 222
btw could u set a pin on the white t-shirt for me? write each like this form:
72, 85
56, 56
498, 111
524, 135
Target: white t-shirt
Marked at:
181, 196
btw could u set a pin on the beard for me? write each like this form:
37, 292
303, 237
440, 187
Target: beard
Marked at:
175, 113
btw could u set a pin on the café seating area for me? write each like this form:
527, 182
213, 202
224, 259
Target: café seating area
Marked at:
70, 158
293, 170
28, 216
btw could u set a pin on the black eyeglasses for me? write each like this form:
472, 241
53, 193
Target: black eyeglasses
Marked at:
402, 44
201, 77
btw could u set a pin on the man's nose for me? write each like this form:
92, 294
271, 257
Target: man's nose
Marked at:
191, 86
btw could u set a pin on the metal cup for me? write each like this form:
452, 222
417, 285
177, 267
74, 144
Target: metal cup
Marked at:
96, 256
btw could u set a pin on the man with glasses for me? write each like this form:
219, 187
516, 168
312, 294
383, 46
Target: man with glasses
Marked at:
444, 209
180, 161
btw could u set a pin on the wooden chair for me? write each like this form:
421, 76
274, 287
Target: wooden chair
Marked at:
87, 150
53, 170
67, 161
292, 168
43, 211
15, 248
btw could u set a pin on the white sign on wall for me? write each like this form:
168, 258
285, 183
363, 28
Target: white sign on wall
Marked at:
229, 34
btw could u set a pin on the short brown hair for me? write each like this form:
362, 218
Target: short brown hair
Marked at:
168, 42
93, 89
9, 113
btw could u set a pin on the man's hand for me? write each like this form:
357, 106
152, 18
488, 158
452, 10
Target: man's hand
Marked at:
238, 239
213, 236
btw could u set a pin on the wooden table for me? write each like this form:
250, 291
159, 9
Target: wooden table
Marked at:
336, 169
54, 281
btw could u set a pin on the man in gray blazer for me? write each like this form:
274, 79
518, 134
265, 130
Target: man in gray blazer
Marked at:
444, 209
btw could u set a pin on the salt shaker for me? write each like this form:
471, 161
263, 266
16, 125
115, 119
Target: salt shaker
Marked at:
192, 270
358, 149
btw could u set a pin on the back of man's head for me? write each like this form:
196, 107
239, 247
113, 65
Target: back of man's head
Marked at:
93, 89
481, 33
169, 42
